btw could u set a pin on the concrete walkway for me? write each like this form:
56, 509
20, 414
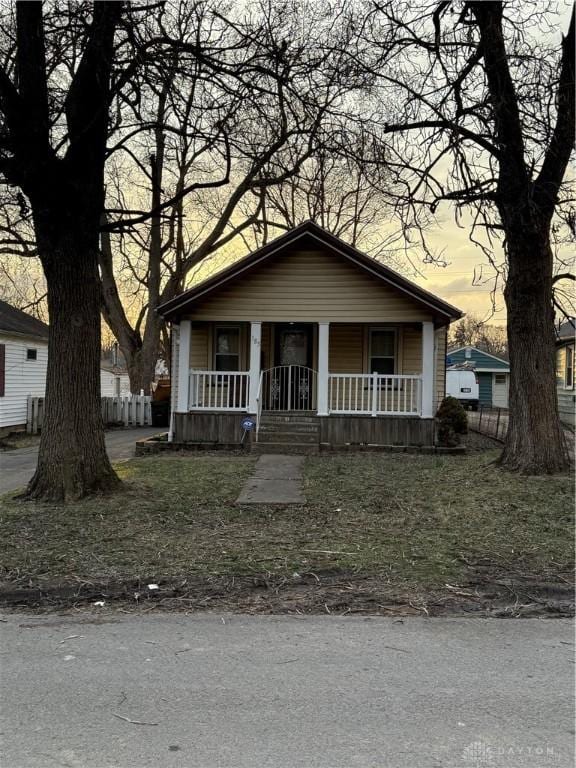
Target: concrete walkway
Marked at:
277, 479
18, 466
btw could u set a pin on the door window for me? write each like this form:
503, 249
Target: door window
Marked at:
294, 348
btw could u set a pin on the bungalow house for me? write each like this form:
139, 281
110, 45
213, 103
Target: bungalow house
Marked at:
318, 343
565, 371
493, 374
23, 362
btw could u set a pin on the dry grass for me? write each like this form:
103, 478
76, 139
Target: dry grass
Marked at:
409, 519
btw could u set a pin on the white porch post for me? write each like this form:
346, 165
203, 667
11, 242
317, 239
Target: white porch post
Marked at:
322, 394
427, 370
255, 348
184, 366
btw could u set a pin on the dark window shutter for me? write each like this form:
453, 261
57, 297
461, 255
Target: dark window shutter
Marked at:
2, 369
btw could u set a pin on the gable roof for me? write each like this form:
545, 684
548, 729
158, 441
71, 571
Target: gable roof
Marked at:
484, 361
15, 321
311, 232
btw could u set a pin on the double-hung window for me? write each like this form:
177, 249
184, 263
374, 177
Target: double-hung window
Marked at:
382, 351
227, 348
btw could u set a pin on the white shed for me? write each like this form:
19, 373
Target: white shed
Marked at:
23, 363
114, 382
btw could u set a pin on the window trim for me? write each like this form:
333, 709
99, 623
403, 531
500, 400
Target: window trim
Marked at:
215, 353
387, 329
569, 352
501, 382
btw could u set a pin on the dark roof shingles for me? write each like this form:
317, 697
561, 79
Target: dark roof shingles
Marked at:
14, 320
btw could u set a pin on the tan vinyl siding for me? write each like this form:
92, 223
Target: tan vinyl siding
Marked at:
199, 348
346, 349
267, 350
411, 350
309, 286
440, 373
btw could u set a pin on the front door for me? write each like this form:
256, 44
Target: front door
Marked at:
500, 390
290, 385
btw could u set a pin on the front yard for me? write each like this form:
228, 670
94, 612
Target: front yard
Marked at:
378, 531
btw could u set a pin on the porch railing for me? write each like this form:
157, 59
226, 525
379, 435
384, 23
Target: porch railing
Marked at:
295, 388
219, 391
375, 394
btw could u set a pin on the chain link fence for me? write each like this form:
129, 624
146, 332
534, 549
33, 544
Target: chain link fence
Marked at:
489, 421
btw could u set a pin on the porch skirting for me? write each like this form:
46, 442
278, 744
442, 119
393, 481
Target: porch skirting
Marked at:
380, 430
218, 428
210, 427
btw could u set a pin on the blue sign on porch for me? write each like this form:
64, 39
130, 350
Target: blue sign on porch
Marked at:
248, 424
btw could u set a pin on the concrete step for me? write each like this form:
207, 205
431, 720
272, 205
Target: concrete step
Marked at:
302, 429
285, 436
289, 448
288, 418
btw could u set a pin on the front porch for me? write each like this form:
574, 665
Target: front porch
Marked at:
343, 374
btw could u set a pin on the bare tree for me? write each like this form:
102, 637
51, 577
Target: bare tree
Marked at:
480, 115
229, 126
344, 191
472, 331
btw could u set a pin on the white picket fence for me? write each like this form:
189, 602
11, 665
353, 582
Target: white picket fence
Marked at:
133, 411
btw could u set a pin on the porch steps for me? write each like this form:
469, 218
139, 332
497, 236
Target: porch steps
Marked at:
292, 436
288, 433
299, 449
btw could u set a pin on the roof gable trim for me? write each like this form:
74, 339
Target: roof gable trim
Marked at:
480, 351
235, 271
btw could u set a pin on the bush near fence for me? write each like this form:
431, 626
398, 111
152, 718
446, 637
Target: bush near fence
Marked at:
134, 411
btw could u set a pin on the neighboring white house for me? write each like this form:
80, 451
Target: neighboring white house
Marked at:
114, 382
23, 362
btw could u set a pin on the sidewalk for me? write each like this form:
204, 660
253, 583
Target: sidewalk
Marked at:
277, 479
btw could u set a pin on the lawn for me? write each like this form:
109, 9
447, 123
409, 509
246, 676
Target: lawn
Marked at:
412, 521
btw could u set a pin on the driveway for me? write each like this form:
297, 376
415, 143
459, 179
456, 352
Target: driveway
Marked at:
212, 691
17, 467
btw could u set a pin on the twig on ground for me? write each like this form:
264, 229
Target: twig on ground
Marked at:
133, 722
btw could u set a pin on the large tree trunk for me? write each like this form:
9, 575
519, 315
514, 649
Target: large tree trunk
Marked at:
535, 442
141, 362
72, 460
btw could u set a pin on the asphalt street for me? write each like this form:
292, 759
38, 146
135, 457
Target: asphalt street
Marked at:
212, 691
17, 467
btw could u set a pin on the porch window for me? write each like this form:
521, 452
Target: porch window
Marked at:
382, 351
227, 349
569, 367
500, 378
